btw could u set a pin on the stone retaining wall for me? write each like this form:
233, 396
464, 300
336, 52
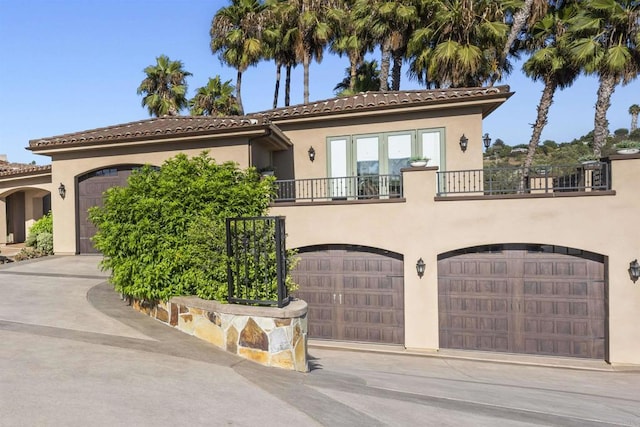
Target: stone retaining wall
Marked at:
266, 335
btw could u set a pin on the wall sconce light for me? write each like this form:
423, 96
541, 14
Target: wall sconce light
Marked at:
634, 270
420, 266
312, 153
62, 190
486, 140
464, 142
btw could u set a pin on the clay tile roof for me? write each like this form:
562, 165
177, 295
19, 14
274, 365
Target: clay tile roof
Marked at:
11, 169
376, 100
160, 126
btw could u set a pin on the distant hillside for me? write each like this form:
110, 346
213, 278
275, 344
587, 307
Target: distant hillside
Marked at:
553, 153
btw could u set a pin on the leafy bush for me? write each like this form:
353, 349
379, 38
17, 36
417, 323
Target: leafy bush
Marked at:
44, 243
164, 234
43, 225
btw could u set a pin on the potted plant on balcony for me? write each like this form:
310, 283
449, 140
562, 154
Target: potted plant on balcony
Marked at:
267, 171
589, 161
628, 147
418, 161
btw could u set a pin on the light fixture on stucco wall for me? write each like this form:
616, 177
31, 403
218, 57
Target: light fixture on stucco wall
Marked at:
420, 267
62, 190
464, 142
312, 153
634, 270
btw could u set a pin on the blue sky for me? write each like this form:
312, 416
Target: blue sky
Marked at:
73, 65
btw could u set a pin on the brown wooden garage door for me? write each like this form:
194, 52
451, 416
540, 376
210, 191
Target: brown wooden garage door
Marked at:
352, 295
530, 300
90, 189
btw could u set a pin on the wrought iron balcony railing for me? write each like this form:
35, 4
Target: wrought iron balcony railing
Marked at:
534, 180
341, 188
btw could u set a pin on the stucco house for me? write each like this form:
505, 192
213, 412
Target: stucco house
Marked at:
426, 258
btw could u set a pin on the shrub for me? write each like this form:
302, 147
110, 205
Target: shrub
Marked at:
44, 243
164, 234
43, 225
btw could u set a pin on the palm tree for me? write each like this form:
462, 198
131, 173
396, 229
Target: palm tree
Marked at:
458, 43
634, 110
236, 35
529, 13
350, 38
165, 87
279, 45
215, 99
367, 79
551, 62
311, 33
390, 24
608, 45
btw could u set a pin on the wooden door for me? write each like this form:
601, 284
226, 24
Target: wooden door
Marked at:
523, 301
352, 295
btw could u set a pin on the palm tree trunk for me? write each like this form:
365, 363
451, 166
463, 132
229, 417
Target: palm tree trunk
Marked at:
600, 125
385, 62
305, 63
546, 100
238, 92
397, 68
634, 122
287, 87
277, 91
353, 72
519, 20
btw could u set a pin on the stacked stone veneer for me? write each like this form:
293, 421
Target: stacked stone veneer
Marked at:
267, 335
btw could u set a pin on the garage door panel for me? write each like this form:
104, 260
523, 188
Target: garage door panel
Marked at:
363, 290
90, 193
550, 303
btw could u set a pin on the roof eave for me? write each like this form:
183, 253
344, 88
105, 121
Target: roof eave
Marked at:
96, 144
7, 176
492, 102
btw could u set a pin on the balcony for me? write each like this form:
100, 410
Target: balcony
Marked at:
348, 188
540, 180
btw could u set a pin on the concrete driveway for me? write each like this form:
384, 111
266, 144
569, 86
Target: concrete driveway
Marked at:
72, 353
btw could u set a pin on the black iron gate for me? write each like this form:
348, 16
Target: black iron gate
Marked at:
257, 261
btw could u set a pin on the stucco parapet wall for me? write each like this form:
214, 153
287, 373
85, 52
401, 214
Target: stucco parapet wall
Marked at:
420, 169
275, 337
624, 156
454, 198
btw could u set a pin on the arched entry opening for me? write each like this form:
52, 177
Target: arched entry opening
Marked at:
90, 189
523, 298
354, 293
23, 207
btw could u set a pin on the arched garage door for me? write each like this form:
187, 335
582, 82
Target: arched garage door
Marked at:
533, 299
353, 293
90, 189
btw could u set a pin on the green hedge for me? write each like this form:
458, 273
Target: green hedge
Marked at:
163, 235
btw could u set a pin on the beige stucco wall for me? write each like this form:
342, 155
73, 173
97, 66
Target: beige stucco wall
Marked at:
455, 121
68, 166
421, 227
